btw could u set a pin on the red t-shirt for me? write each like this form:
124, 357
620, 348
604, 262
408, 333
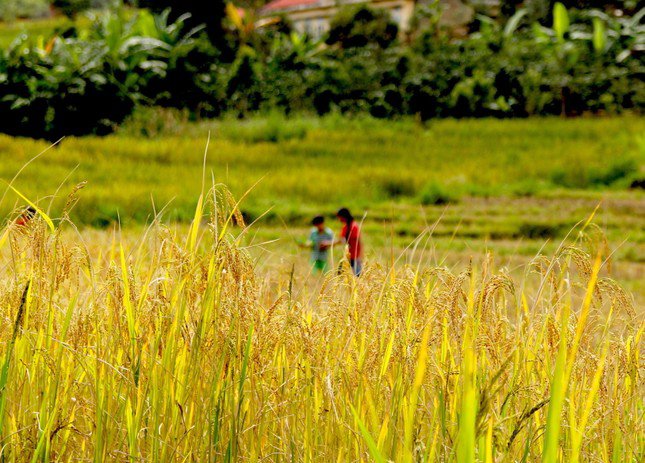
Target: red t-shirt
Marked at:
353, 241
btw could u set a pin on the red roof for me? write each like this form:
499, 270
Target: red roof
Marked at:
277, 5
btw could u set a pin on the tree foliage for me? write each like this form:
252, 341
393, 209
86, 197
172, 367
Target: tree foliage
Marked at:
87, 83
89, 78
211, 13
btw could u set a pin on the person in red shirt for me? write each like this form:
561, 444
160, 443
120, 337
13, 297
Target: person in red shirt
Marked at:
350, 235
26, 217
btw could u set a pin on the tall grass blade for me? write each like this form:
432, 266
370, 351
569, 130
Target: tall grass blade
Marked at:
369, 440
42, 213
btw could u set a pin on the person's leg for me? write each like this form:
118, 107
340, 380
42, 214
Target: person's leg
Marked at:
320, 266
357, 266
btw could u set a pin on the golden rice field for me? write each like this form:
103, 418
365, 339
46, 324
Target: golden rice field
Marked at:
168, 344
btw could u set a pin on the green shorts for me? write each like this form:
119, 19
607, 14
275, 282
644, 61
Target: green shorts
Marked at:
319, 266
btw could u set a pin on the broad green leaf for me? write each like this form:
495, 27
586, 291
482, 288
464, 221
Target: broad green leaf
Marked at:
560, 20
599, 35
369, 440
556, 399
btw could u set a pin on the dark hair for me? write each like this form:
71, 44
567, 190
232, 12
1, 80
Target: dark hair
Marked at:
318, 220
349, 218
345, 214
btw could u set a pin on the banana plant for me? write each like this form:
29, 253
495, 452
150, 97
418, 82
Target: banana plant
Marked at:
47, 84
599, 39
560, 21
631, 35
132, 58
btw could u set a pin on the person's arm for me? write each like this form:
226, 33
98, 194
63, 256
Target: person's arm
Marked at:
328, 243
341, 238
309, 243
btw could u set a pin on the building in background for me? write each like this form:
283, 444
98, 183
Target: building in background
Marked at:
312, 17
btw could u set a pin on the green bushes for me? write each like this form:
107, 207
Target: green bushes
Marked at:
502, 70
543, 230
621, 170
272, 129
397, 187
152, 122
357, 27
29, 9
45, 27
88, 79
435, 194
208, 13
63, 88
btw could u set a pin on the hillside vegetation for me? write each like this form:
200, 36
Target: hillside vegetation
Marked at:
88, 77
303, 164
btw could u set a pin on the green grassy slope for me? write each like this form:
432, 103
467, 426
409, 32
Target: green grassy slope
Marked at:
322, 163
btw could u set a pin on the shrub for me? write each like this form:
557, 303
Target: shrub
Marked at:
638, 183
621, 169
498, 70
596, 176
539, 230
152, 122
397, 187
210, 13
87, 82
271, 129
527, 188
436, 194
67, 91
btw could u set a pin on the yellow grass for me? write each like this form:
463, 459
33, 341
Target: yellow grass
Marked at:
168, 346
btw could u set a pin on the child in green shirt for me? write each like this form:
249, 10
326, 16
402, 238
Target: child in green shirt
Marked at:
320, 241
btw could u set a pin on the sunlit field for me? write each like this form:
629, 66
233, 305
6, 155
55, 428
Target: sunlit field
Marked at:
499, 317
182, 280
169, 344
